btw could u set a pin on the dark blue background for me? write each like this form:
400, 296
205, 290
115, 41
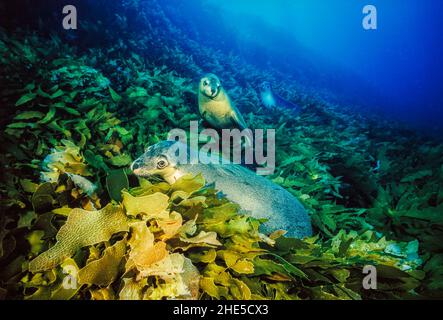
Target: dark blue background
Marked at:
396, 70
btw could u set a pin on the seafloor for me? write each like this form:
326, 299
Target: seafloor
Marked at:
374, 190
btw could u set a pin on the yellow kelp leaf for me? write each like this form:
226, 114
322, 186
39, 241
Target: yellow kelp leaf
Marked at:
340, 274
132, 290
63, 211
277, 234
184, 285
167, 268
35, 241
189, 227
244, 244
171, 225
54, 284
193, 201
237, 225
144, 251
104, 271
151, 205
243, 266
236, 262
191, 277
147, 188
42, 293
219, 215
239, 290
60, 188
178, 196
203, 237
175, 289
83, 228
154, 254
189, 183
40, 279
218, 273
184, 199
102, 294
207, 284
205, 257
230, 257
141, 237
69, 285
94, 254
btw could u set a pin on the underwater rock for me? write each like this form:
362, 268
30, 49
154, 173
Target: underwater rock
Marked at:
263, 198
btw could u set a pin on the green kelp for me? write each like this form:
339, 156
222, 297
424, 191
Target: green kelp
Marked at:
151, 247
72, 119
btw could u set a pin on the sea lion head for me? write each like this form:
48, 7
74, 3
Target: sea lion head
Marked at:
162, 159
210, 85
265, 86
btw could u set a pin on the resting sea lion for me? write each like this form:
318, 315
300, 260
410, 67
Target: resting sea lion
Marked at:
272, 100
216, 107
254, 193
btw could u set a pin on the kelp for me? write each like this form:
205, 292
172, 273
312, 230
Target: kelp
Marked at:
164, 249
82, 228
75, 224
239, 264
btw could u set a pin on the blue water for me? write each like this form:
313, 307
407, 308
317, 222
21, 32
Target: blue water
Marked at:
395, 71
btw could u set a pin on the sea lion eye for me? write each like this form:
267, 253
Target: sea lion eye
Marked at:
206, 82
161, 164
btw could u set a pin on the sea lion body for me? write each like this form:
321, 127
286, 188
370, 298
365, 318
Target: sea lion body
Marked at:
255, 194
272, 100
216, 107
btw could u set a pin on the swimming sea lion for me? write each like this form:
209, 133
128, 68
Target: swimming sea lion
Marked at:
254, 193
272, 100
216, 107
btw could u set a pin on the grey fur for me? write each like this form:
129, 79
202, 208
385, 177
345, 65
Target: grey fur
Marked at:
256, 194
272, 100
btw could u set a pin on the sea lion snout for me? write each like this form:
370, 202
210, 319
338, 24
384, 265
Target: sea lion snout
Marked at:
135, 165
214, 90
210, 85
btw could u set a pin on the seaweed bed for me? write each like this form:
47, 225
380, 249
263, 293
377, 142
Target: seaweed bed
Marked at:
74, 119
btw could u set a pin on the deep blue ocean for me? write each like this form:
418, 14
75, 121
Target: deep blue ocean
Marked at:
344, 99
395, 70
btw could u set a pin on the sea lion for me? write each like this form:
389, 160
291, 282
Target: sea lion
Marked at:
254, 193
272, 100
216, 107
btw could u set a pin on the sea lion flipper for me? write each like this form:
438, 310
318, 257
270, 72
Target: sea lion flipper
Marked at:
238, 119
241, 123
